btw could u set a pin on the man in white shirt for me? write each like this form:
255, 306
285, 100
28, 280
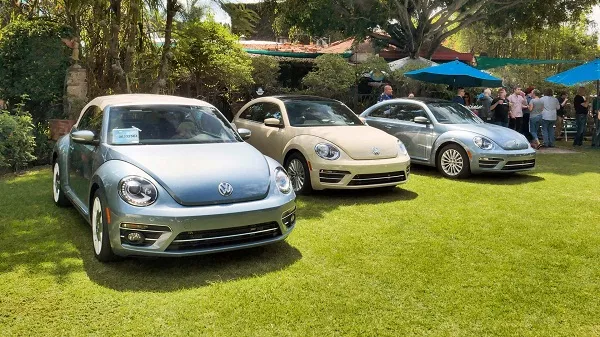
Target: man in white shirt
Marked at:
517, 103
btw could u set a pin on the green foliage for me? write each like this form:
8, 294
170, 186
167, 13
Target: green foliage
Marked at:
332, 77
243, 19
373, 63
17, 142
265, 72
211, 57
33, 61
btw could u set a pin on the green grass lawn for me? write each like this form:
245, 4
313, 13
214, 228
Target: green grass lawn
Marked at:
492, 255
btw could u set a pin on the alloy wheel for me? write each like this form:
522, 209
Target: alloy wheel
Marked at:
97, 225
452, 162
56, 182
296, 172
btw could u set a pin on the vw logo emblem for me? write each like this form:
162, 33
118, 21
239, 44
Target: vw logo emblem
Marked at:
376, 151
225, 189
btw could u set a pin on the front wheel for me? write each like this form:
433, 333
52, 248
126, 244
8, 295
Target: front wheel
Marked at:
453, 162
100, 235
60, 199
297, 169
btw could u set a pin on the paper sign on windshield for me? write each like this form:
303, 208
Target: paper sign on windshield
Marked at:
126, 136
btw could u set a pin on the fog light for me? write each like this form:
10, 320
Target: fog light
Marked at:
136, 237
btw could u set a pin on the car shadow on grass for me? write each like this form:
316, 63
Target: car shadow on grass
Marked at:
518, 178
318, 203
170, 273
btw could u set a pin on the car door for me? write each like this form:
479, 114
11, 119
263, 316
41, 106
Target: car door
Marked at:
418, 136
81, 156
269, 140
386, 118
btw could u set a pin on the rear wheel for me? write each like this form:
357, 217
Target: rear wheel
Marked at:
100, 234
60, 199
453, 162
297, 169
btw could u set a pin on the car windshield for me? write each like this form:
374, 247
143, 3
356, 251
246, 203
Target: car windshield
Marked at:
168, 124
320, 113
453, 113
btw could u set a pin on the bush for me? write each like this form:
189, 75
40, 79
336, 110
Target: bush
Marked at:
333, 76
265, 72
17, 142
34, 61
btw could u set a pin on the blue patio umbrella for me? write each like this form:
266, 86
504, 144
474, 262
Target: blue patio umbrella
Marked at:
456, 74
584, 73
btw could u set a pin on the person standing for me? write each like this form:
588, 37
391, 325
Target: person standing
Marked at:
549, 117
596, 116
486, 102
501, 108
536, 107
517, 103
459, 98
526, 113
581, 112
467, 98
387, 93
560, 114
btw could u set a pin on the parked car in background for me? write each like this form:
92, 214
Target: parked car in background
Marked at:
169, 176
323, 144
450, 137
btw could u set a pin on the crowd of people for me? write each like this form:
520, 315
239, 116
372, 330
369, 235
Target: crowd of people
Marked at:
526, 111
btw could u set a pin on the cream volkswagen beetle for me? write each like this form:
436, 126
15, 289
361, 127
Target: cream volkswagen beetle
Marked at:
323, 144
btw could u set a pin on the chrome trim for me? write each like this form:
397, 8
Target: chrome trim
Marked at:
227, 236
143, 230
145, 239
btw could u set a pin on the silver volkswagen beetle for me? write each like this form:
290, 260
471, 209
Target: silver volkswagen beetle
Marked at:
450, 137
168, 176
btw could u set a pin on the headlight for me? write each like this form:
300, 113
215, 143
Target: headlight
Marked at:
483, 143
327, 151
402, 148
137, 191
282, 181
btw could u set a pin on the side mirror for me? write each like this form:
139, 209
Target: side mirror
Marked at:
421, 120
273, 122
84, 137
244, 133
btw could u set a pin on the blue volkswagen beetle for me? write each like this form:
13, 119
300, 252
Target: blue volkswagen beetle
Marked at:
168, 176
450, 137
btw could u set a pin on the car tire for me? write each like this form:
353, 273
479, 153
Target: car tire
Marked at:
297, 169
100, 232
60, 199
453, 162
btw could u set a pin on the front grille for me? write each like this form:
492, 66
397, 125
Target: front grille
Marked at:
489, 162
377, 178
151, 233
225, 237
331, 176
519, 165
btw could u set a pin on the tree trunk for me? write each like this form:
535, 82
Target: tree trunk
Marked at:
116, 72
161, 82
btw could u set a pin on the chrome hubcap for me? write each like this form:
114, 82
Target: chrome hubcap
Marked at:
97, 225
56, 182
452, 162
296, 172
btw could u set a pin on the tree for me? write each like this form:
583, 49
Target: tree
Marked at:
210, 55
410, 25
333, 76
172, 8
243, 19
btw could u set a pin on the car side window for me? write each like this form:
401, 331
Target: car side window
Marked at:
261, 111
408, 112
91, 120
272, 110
386, 111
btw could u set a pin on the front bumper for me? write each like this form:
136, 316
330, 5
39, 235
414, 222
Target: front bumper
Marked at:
358, 174
503, 161
183, 231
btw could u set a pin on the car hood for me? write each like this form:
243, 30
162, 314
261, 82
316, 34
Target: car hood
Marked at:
191, 173
358, 142
506, 138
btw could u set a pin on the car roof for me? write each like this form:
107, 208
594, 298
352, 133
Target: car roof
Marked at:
426, 100
143, 99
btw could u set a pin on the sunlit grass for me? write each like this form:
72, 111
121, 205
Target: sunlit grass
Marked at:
492, 255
